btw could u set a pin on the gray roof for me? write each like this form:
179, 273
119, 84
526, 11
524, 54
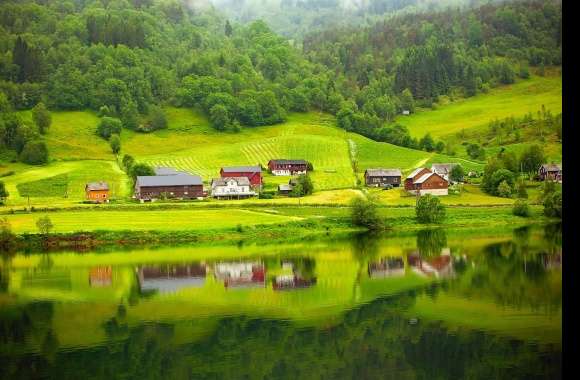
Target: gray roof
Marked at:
235, 169
284, 187
552, 167
97, 186
426, 176
384, 172
168, 180
290, 162
167, 171
443, 168
242, 181
415, 172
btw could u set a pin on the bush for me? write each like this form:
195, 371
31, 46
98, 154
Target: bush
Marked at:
128, 162
429, 209
364, 214
34, 153
44, 225
457, 173
303, 186
522, 191
521, 208
115, 143
504, 190
109, 126
3, 192
500, 176
553, 205
141, 170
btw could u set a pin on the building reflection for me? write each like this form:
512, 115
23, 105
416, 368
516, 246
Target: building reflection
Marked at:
302, 275
438, 266
171, 278
387, 267
241, 274
100, 277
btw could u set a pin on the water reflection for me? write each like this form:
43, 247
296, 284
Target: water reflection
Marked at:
170, 278
482, 308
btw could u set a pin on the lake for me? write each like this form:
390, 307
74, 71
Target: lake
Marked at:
433, 304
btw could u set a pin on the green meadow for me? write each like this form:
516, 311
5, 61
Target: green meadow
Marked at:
513, 100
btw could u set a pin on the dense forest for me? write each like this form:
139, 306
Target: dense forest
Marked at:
122, 58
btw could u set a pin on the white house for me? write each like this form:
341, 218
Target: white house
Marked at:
231, 187
444, 170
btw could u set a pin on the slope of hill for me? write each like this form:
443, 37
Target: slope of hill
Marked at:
472, 113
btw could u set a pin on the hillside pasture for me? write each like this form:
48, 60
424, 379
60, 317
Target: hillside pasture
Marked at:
476, 112
63, 182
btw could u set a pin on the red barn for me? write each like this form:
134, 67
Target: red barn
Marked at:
415, 175
252, 173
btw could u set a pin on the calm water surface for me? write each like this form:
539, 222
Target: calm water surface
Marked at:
434, 305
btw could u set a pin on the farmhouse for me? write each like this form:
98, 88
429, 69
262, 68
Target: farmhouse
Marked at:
180, 186
382, 177
231, 187
288, 167
551, 172
444, 170
415, 175
252, 173
97, 192
423, 181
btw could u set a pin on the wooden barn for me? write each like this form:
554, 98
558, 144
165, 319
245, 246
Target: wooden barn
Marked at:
179, 186
415, 174
552, 172
288, 167
97, 192
252, 173
383, 177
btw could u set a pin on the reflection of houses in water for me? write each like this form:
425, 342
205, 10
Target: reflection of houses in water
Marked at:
292, 281
552, 261
170, 278
440, 266
241, 274
100, 277
302, 275
387, 267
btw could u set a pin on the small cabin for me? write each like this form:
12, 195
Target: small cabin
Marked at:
383, 177
97, 192
285, 189
551, 172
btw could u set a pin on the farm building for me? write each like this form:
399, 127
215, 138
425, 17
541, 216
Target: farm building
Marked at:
252, 173
285, 189
415, 175
97, 192
382, 177
550, 172
444, 170
180, 186
288, 167
231, 188
423, 181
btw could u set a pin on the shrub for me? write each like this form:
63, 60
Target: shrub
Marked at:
3, 192
34, 153
44, 225
553, 205
504, 190
41, 117
364, 214
303, 186
457, 173
115, 143
521, 208
141, 170
522, 191
128, 162
109, 126
429, 209
499, 176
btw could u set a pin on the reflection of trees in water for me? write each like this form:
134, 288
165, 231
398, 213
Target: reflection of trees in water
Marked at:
430, 242
303, 267
372, 341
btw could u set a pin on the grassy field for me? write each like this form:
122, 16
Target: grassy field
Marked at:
513, 100
174, 220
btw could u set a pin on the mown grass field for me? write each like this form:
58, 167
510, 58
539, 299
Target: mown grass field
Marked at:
161, 220
513, 100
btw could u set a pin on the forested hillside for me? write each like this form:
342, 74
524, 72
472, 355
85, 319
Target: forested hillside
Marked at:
124, 59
